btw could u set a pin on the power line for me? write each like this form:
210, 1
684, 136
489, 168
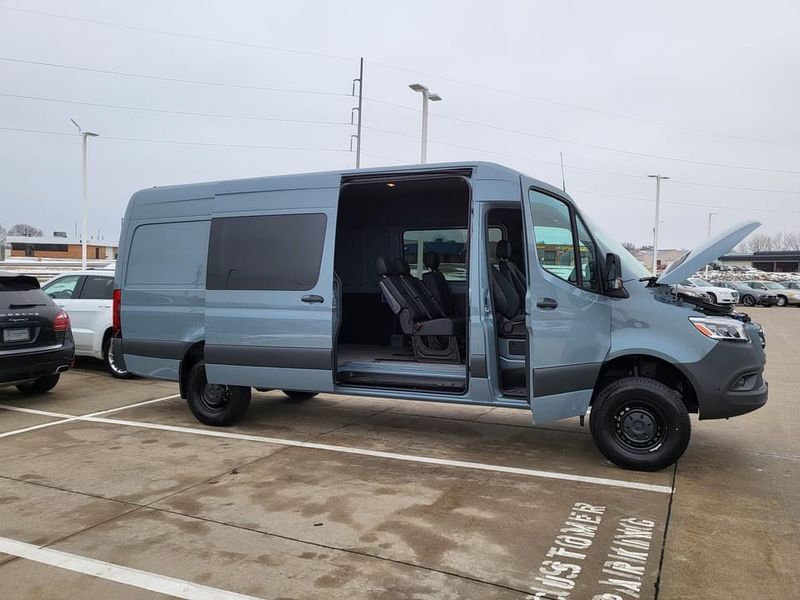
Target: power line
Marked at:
592, 169
398, 68
689, 204
173, 112
180, 142
174, 79
581, 107
176, 34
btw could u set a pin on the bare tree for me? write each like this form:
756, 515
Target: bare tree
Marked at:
791, 240
629, 246
2, 233
25, 230
758, 242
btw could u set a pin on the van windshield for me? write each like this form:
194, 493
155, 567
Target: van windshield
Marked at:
631, 267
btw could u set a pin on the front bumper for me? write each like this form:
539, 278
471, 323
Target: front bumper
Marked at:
17, 368
729, 380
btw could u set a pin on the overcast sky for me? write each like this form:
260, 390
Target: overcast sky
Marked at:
684, 82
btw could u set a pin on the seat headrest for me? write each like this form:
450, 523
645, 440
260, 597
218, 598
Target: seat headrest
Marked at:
503, 250
383, 266
400, 267
431, 260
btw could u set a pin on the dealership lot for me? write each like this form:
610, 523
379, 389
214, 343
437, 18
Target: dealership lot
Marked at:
110, 488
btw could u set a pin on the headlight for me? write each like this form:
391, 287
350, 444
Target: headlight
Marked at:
720, 328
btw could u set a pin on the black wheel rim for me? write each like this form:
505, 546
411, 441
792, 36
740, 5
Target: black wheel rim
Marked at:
213, 397
639, 427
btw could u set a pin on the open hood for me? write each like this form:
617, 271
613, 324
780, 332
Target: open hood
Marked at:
691, 262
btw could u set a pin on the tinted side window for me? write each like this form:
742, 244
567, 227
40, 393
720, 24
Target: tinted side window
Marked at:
97, 288
563, 244
268, 252
449, 244
168, 254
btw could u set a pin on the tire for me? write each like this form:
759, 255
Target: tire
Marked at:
39, 386
111, 366
639, 423
782, 300
212, 404
299, 396
713, 297
748, 300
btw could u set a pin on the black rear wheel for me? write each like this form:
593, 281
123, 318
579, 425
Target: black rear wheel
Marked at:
39, 386
215, 404
639, 423
299, 396
113, 366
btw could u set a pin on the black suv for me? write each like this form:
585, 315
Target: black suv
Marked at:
35, 337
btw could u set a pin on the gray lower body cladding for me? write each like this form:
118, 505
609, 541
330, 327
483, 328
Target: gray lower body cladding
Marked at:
729, 380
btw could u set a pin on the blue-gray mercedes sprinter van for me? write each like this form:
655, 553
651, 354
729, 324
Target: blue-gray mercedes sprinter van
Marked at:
468, 283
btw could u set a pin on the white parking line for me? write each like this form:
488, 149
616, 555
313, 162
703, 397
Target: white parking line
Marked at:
634, 485
69, 418
145, 580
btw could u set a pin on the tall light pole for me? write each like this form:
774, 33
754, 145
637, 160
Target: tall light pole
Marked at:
658, 179
85, 135
708, 235
433, 97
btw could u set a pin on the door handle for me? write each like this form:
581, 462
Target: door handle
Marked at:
313, 299
547, 303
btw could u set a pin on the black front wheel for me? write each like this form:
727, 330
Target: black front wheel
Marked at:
214, 404
39, 386
639, 423
299, 396
748, 300
782, 300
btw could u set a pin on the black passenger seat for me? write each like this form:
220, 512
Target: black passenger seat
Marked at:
434, 336
437, 285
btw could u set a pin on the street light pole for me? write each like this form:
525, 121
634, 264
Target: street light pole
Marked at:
658, 179
85, 135
433, 97
708, 235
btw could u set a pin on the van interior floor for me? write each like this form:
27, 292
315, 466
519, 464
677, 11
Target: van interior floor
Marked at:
391, 366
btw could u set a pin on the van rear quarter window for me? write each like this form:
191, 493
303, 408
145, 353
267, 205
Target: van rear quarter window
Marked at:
171, 254
266, 252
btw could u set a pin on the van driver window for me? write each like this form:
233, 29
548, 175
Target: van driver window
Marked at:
555, 243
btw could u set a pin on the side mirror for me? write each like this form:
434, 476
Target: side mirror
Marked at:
613, 277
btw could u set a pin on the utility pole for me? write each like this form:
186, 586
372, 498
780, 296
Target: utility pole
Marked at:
357, 135
563, 179
658, 179
708, 235
85, 135
433, 97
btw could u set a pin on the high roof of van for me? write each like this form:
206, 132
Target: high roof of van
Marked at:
156, 194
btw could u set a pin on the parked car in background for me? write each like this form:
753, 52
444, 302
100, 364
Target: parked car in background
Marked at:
791, 285
718, 295
750, 296
86, 296
785, 295
36, 344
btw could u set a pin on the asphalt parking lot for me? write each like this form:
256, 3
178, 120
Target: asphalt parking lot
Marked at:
111, 489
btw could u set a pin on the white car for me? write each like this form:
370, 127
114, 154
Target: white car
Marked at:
718, 295
86, 297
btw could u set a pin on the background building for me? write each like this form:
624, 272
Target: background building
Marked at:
774, 261
58, 246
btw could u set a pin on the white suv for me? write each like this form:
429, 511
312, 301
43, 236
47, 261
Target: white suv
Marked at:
718, 295
86, 297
